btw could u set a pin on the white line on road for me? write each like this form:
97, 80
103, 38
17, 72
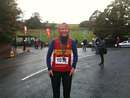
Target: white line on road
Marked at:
33, 74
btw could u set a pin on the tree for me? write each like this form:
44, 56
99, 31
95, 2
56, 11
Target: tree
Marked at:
91, 23
8, 19
114, 21
85, 24
118, 15
34, 22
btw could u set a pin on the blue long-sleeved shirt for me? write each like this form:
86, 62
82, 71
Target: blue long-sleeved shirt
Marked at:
50, 51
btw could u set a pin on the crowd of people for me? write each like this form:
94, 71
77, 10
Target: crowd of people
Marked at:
38, 44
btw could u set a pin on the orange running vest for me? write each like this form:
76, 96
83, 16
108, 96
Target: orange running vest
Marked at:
62, 56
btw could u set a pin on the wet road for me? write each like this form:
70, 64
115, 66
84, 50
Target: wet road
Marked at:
26, 76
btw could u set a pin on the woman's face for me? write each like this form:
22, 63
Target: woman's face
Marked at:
63, 29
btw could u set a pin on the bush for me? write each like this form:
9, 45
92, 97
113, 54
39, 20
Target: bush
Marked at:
5, 38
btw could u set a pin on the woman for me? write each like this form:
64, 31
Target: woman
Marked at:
100, 43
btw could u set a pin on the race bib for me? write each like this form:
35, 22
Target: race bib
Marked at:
62, 60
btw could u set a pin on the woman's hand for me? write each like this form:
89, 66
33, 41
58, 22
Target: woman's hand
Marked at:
72, 71
50, 72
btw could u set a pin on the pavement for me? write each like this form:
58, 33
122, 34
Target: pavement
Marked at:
26, 75
19, 50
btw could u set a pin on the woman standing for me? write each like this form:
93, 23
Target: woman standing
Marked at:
100, 43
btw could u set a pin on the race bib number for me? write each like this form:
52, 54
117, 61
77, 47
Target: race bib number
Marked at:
62, 60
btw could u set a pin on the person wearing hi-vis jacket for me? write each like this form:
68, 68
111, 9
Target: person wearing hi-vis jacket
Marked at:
62, 66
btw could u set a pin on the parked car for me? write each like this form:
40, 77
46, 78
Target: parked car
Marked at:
124, 44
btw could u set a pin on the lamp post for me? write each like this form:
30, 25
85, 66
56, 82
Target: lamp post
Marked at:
24, 41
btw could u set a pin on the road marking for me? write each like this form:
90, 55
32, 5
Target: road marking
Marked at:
33, 74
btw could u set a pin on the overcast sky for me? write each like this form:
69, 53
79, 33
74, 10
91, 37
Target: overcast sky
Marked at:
69, 11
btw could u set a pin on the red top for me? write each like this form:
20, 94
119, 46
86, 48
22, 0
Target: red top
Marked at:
62, 56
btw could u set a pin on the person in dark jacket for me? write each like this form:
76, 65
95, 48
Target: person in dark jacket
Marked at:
100, 43
61, 67
85, 43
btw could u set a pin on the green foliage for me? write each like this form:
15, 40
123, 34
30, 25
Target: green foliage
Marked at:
118, 17
8, 16
43, 37
5, 38
53, 26
79, 35
34, 22
85, 24
74, 27
113, 21
76, 32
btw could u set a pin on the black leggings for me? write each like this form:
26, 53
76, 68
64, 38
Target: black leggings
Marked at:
66, 82
102, 58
